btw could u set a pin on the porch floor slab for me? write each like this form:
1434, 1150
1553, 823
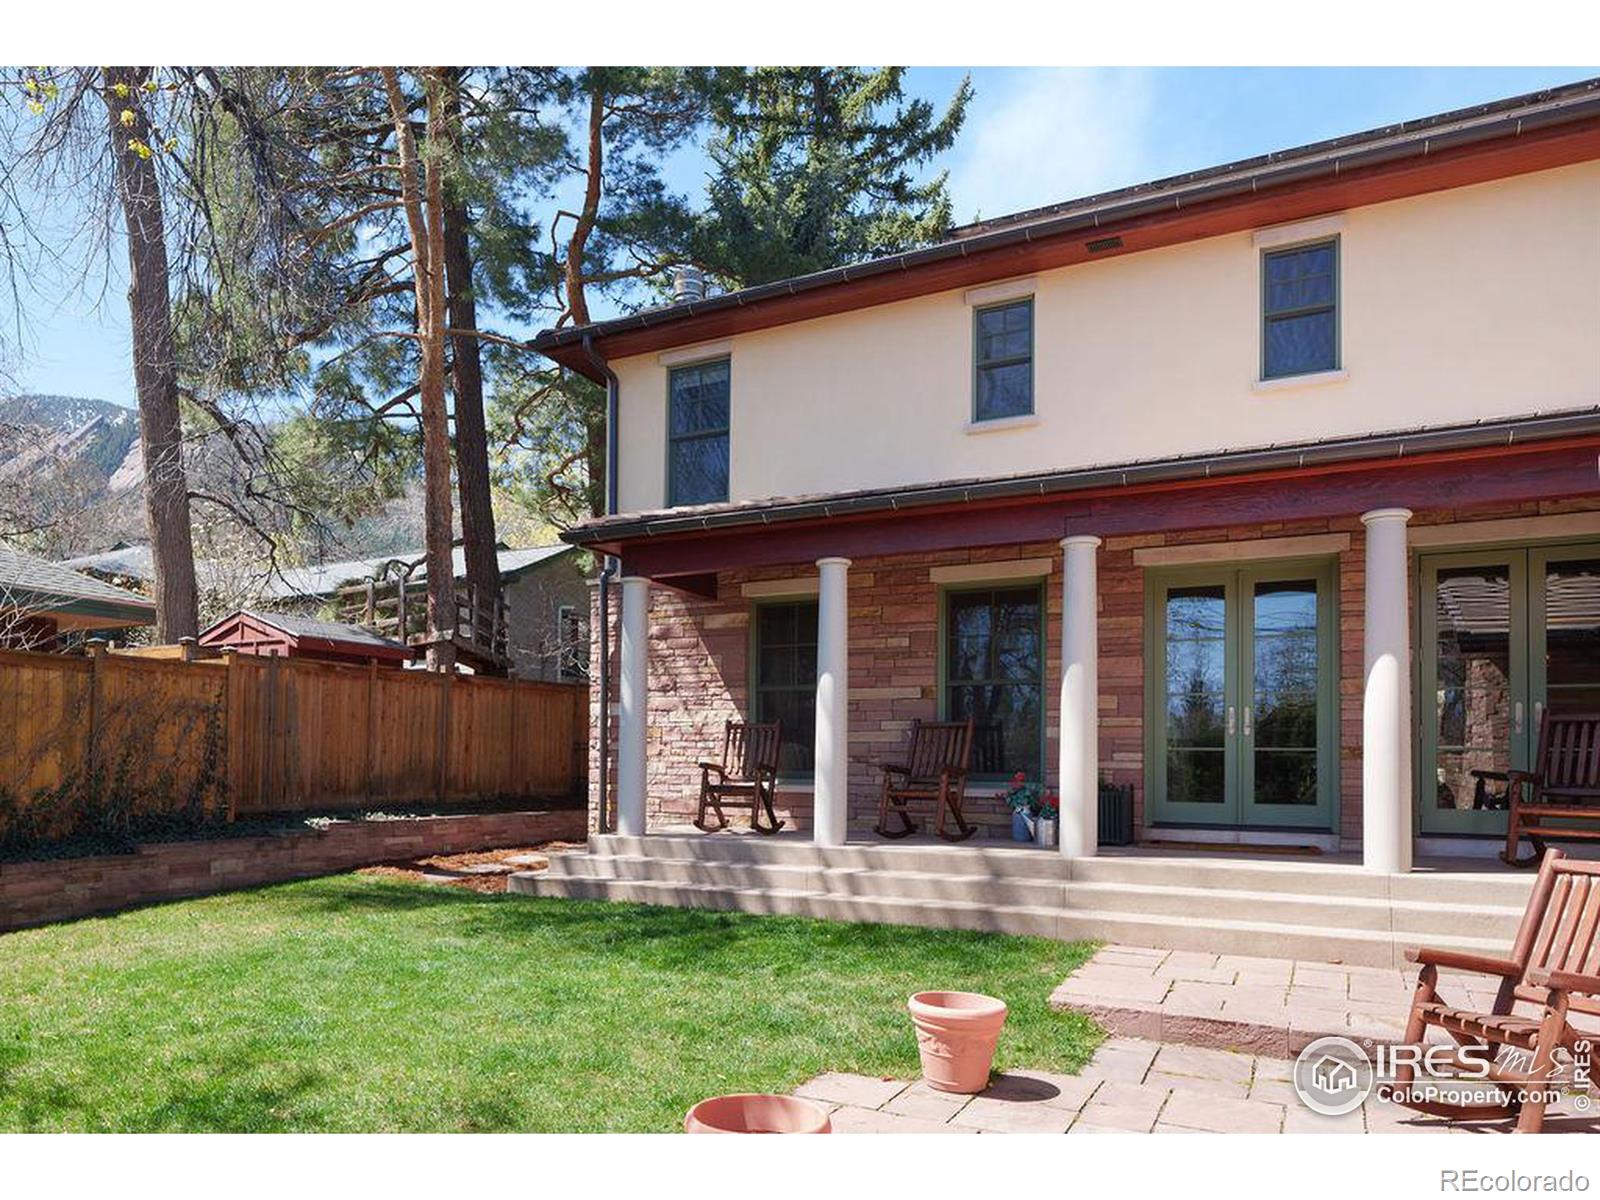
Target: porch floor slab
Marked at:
1133, 1085
1239, 1003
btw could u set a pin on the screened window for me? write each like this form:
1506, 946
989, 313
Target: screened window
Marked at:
1004, 358
994, 673
786, 678
1299, 307
697, 433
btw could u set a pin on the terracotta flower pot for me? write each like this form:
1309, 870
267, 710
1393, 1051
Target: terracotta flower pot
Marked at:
956, 1036
754, 1113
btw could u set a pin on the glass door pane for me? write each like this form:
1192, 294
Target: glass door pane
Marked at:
1474, 675
1566, 629
1192, 776
1283, 722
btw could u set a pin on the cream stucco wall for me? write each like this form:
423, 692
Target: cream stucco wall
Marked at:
1475, 303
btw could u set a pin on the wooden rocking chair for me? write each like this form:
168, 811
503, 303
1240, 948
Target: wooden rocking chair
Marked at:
935, 769
746, 776
1565, 787
1554, 964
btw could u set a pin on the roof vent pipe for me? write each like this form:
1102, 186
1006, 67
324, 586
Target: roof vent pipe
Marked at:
688, 284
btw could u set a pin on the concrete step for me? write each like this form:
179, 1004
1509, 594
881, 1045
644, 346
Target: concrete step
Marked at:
1491, 887
1501, 888
1141, 899
1289, 908
1212, 933
976, 857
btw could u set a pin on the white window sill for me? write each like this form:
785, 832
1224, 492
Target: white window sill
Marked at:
1290, 383
1001, 424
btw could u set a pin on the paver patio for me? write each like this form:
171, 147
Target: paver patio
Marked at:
1134, 1086
1268, 1006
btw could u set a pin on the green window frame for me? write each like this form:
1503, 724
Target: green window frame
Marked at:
1002, 360
783, 677
968, 671
1300, 309
698, 417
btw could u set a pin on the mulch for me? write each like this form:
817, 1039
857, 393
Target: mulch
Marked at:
479, 871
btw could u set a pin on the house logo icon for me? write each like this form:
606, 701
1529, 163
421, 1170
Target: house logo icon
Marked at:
1333, 1076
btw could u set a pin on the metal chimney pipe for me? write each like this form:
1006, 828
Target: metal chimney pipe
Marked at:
688, 284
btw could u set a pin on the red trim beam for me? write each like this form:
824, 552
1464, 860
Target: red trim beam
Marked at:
1499, 475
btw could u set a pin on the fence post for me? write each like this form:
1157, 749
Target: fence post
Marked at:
230, 713
372, 725
269, 681
188, 649
96, 648
444, 727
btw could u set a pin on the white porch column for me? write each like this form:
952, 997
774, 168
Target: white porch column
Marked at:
831, 794
1080, 699
1386, 701
635, 696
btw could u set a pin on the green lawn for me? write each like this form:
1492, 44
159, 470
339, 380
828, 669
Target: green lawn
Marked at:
354, 1003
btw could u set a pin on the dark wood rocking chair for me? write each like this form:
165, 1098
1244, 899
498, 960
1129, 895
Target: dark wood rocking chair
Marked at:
935, 769
1565, 787
746, 776
1554, 964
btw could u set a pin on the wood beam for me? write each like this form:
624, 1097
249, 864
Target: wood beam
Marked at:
1499, 475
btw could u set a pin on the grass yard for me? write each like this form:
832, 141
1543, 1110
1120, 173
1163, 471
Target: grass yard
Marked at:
362, 1004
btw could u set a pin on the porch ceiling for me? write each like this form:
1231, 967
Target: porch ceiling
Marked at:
1513, 470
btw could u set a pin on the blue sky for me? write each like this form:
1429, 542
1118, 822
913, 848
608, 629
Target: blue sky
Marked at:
1033, 136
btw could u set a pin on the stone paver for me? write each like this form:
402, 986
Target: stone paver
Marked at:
1133, 1086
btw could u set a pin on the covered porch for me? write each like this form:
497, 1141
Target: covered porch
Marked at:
1350, 530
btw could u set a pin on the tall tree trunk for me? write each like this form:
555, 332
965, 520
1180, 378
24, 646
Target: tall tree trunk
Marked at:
472, 436
424, 209
577, 300
155, 371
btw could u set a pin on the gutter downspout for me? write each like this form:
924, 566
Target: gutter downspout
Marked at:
608, 572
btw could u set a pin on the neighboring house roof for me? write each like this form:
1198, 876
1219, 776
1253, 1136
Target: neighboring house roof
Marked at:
1394, 444
30, 582
326, 578
1534, 131
133, 561
335, 636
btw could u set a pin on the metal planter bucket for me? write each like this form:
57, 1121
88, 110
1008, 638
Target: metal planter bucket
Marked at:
1044, 832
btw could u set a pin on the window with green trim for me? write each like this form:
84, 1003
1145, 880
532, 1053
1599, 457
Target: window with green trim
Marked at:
1003, 357
1300, 310
697, 433
994, 672
784, 678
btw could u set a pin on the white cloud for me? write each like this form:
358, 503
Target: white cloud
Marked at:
1040, 136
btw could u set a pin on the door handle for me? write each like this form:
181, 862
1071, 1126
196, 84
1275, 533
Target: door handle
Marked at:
1538, 714
1231, 720
1516, 717
1247, 720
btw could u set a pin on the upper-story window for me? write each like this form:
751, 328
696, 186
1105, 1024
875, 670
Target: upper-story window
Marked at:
1300, 310
1003, 355
697, 433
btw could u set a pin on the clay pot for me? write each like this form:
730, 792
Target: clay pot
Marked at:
754, 1113
956, 1036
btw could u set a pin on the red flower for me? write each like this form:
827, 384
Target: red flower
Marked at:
1018, 779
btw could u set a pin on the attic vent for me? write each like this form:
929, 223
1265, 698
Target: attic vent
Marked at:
1099, 244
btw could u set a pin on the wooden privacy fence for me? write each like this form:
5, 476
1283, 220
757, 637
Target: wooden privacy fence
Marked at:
260, 735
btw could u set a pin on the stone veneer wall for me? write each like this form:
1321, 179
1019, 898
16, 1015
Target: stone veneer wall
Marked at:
37, 892
699, 665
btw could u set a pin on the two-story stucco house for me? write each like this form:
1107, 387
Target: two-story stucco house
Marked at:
1272, 491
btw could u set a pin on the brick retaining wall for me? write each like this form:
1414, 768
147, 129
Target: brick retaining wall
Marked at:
36, 893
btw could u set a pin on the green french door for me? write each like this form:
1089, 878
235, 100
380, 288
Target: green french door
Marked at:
1505, 634
1242, 696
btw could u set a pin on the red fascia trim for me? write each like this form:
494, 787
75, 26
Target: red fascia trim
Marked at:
1550, 470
